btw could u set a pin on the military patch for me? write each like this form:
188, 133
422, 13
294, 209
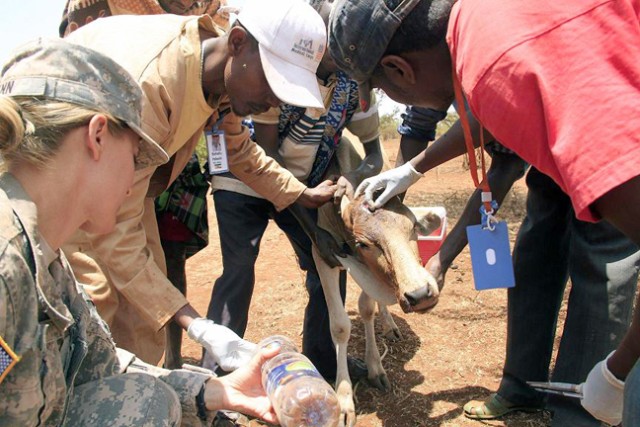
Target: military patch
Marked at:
7, 359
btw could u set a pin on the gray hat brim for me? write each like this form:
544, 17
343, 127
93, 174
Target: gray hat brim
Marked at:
150, 154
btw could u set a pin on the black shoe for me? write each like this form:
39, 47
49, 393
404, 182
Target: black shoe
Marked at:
357, 369
230, 419
566, 412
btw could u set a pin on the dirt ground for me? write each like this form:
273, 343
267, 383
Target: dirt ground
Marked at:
446, 357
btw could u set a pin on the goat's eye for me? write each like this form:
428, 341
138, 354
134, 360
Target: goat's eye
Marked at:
360, 245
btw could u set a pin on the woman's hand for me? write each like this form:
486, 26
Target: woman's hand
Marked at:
242, 390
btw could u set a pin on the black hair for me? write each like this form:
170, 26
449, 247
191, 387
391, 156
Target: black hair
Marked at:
425, 27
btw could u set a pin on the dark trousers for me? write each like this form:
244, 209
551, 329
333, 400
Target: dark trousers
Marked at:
553, 246
242, 221
176, 258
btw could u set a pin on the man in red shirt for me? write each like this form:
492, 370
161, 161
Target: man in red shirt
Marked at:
540, 77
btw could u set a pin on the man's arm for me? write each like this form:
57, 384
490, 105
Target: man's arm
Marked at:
410, 147
267, 137
449, 146
417, 130
398, 180
372, 162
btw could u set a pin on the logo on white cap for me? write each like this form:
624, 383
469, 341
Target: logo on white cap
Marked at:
305, 47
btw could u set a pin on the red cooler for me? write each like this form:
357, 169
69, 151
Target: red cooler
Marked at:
429, 245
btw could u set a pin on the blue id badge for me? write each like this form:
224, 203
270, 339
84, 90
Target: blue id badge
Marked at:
491, 256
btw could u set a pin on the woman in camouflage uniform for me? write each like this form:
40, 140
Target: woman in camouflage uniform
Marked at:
69, 144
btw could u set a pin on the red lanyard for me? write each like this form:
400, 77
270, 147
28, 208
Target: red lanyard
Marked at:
468, 139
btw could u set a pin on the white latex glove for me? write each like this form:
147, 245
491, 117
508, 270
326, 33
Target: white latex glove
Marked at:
602, 394
227, 348
393, 182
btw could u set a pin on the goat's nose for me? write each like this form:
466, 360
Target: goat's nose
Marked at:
416, 296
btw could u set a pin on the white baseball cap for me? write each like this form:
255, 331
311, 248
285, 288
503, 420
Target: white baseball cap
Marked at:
292, 39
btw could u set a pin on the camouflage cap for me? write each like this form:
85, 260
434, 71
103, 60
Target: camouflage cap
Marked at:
57, 69
359, 33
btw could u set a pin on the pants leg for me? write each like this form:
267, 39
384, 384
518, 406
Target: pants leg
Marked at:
124, 400
176, 258
541, 271
317, 343
242, 221
631, 408
604, 275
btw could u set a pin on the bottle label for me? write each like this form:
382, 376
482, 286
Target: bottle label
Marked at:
288, 371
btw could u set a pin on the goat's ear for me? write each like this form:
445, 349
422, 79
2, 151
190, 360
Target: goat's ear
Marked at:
344, 199
428, 219
345, 210
344, 203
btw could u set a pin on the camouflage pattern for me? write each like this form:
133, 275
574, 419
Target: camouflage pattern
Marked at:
140, 400
56, 69
70, 372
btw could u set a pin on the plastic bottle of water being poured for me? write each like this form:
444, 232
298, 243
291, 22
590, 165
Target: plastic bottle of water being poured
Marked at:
298, 393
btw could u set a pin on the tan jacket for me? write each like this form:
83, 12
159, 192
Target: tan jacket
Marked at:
125, 270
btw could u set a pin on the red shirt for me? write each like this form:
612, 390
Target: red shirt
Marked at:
558, 82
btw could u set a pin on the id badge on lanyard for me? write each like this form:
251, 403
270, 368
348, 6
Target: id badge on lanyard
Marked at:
217, 151
490, 255
491, 262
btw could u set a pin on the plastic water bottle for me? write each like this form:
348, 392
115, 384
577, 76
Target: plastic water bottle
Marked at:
284, 343
298, 393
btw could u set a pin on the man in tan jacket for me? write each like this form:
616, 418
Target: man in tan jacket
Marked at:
191, 73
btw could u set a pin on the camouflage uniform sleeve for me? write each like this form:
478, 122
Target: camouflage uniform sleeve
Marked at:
14, 270
7, 326
187, 384
101, 360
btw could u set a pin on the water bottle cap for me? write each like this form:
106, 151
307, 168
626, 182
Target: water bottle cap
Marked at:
285, 343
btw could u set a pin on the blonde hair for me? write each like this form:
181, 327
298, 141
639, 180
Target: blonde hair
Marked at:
31, 129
